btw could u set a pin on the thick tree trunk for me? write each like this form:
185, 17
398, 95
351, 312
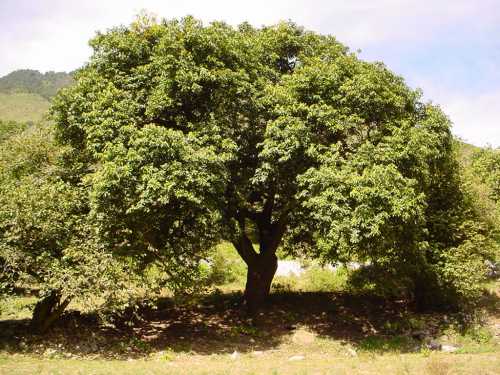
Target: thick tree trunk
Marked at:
261, 265
47, 311
260, 275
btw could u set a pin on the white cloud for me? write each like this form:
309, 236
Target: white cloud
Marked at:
476, 119
53, 35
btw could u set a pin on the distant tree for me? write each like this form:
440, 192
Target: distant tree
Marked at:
486, 163
196, 134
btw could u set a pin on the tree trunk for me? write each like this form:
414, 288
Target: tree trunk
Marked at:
47, 311
260, 275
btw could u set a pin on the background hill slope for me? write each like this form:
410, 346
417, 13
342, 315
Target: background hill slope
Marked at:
25, 94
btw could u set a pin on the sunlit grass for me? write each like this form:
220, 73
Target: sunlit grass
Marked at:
22, 107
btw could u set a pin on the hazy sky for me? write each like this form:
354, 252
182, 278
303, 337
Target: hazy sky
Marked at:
449, 48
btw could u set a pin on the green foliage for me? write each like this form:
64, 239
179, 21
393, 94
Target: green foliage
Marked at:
486, 164
225, 265
315, 279
9, 128
45, 237
15, 307
186, 135
320, 279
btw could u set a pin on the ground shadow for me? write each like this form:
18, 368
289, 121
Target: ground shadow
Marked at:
218, 323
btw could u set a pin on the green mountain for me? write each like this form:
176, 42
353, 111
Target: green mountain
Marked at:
25, 94
33, 82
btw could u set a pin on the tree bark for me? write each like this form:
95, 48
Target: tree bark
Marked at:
47, 311
260, 275
262, 266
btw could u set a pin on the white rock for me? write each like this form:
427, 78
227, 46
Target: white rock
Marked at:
297, 358
449, 348
234, 355
49, 352
352, 352
289, 268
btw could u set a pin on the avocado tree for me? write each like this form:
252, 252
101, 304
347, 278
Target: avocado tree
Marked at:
196, 134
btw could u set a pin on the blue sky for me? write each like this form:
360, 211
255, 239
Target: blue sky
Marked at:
448, 48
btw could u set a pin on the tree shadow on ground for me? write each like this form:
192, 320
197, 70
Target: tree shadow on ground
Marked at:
218, 324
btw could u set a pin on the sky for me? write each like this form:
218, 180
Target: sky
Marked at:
448, 48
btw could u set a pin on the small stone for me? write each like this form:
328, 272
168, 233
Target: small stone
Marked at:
352, 352
49, 352
449, 348
234, 355
296, 358
257, 353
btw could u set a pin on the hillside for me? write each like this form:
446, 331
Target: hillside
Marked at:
33, 82
22, 107
25, 94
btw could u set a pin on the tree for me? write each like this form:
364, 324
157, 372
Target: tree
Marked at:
200, 133
486, 164
46, 239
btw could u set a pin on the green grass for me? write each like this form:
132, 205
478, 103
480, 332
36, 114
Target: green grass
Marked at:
277, 362
23, 107
314, 279
16, 307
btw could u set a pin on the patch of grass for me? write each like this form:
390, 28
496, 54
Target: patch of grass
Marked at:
275, 362
17, 307
381, 344
438, 366
214, 337
23, 107
477, 340
9, 128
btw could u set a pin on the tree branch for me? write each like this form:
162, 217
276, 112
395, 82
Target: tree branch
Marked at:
242, 243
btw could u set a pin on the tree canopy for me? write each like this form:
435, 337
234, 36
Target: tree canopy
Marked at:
187, 134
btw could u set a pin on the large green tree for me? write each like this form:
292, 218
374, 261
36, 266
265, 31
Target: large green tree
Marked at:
194, 134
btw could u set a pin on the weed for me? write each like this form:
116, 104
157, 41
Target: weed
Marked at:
384, 344
437, 366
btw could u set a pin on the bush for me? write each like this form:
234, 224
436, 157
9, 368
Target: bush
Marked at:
314, 279
320, 279
225, 266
